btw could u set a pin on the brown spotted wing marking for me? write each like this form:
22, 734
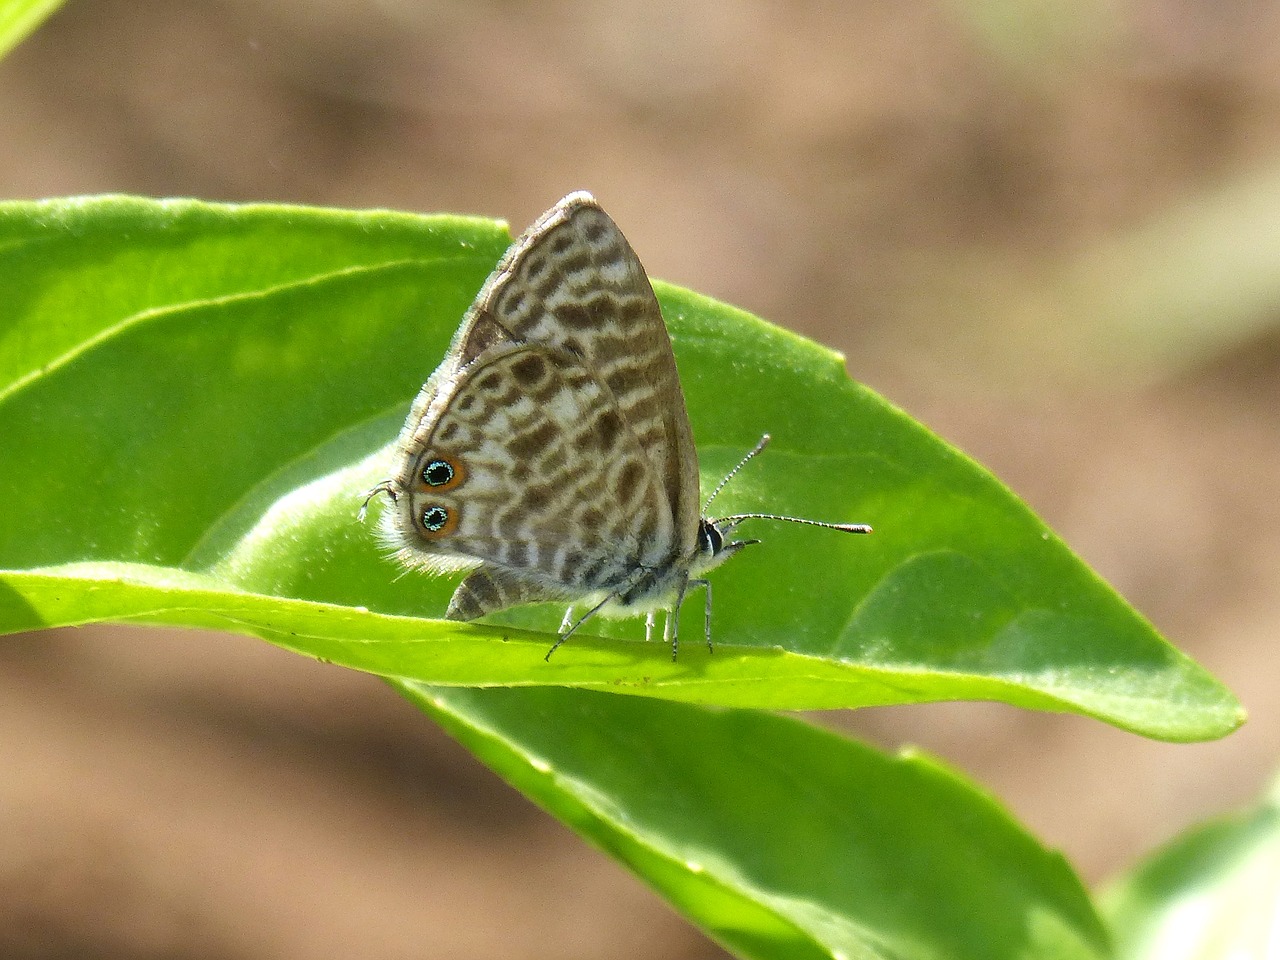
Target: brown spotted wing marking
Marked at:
551, 449
573, 283
559, 499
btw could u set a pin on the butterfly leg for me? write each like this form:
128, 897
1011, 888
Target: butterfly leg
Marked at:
648, 625
672, 632
566, 634
671, 628
567, 621
706, 586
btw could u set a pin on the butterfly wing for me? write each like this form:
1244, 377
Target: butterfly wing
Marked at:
524, 461
573, 283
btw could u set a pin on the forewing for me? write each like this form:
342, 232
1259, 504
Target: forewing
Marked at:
543, 475
573, 284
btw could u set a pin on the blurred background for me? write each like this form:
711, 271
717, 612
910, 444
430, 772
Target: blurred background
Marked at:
1049, 229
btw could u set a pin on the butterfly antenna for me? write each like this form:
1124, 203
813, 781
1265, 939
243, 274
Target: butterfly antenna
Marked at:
843, 527
764, 442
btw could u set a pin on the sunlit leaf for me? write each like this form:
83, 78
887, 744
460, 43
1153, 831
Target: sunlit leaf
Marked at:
194, 397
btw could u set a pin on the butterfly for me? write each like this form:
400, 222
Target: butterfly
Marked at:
550, 454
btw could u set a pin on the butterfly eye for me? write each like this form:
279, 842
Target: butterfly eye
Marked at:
437, 473
710, 540
434, 518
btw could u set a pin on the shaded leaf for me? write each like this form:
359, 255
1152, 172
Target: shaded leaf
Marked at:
780, 839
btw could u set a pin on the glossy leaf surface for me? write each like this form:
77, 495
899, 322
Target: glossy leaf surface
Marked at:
194, 397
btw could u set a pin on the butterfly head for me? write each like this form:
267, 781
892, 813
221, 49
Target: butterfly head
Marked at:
715, 545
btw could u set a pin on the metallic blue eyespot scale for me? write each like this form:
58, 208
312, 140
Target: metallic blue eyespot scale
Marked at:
434, 518
437, 473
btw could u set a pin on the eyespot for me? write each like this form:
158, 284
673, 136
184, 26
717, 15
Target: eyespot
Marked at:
434, 518
437, 473
440, 473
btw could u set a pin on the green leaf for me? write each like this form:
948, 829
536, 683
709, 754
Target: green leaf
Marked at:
193, 398
19, 19
1212, 894
778, 838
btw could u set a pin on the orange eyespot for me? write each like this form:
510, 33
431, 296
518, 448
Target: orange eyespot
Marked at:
436, 521
440, 474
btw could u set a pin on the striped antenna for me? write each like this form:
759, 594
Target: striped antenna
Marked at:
764, 442
739, 517
843, 527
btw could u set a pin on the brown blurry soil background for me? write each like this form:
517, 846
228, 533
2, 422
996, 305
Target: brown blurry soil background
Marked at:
1048, 229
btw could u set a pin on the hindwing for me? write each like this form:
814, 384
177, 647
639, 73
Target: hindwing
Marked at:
524, 461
